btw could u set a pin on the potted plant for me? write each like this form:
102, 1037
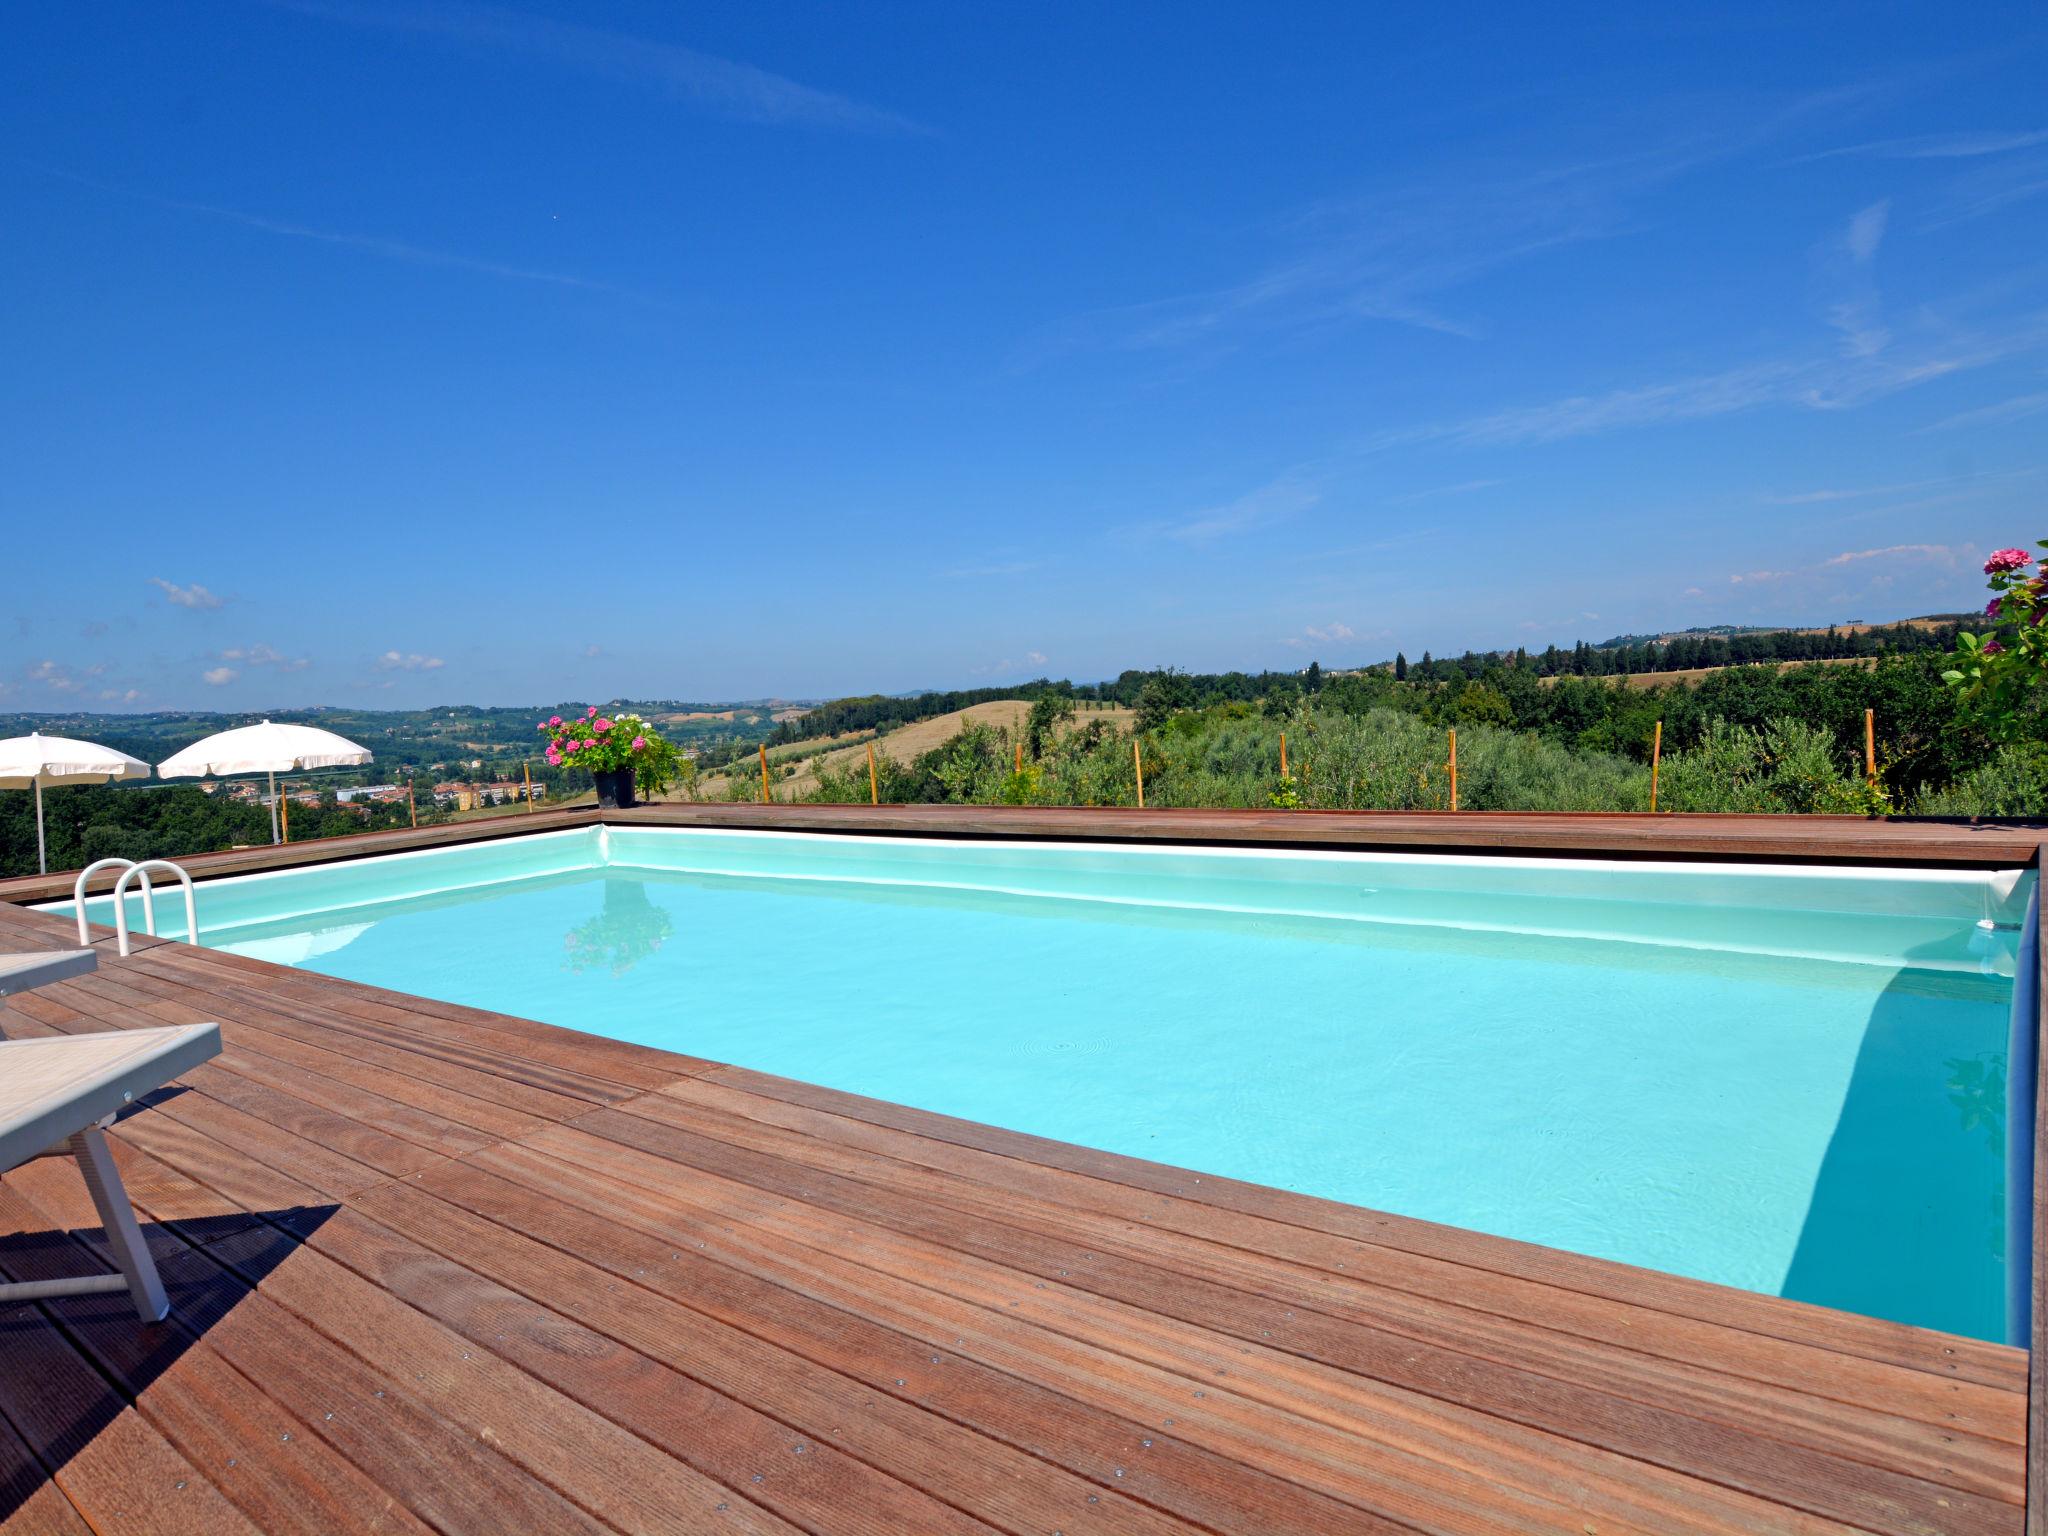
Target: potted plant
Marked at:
622, 753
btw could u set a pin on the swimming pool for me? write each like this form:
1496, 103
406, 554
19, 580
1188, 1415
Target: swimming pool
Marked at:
1789, 1079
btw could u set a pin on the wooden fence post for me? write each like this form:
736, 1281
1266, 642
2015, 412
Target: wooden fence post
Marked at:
1656, 752
1870, 747
1018, 766
527, 769
410, 805
284, 804
764, 773
874, 787
1454, 770
1138, 762
1283, 754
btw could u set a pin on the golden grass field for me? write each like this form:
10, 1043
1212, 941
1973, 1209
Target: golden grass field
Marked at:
1694, 674
903, 744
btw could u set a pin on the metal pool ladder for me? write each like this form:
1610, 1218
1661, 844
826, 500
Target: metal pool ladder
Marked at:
132, 869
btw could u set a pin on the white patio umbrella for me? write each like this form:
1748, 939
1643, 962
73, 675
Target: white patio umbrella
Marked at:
38, 759
265, 748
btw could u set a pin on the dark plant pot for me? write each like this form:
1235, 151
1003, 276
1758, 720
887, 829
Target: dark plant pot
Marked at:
614, 788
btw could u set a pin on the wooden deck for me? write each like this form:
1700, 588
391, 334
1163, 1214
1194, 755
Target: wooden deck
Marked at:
440, 1269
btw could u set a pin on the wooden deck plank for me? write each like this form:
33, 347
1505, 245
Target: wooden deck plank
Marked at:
615, 1477
599, 1067
541, 1056
1352, 1438
326, 1082
216, 1416
493, 1293
1627, 1352
336, 1412
1934, 1396
678, 1320
1836, 1332
108, 1461
474, 1093
30, 1503
1832, 1485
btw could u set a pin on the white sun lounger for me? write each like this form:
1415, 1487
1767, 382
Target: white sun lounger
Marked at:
18, 973
56, 1097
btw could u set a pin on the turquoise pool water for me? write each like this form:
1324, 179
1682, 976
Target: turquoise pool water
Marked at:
1786, 1081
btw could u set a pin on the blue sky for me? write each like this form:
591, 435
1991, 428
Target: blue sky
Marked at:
399, 351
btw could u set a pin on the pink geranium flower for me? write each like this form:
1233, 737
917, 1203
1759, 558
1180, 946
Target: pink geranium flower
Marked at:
603, 726
1992, 647
590, 713
2003, 560
554, 719
1991, 608
571, 744
639, 743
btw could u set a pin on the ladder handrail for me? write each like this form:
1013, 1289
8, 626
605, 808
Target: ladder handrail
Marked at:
142, 867
86, 874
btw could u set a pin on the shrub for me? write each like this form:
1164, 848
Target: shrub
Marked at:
1784, 766
2013, 782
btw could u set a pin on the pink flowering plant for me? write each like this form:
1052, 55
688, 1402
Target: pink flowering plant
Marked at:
2001, 674
602, 743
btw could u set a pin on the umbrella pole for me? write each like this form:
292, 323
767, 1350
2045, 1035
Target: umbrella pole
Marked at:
275, 837
42, 848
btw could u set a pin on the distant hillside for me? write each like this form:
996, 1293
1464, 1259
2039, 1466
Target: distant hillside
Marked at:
446, 735
1932, 621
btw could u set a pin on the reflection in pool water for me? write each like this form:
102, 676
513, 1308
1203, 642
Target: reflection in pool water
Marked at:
629, 929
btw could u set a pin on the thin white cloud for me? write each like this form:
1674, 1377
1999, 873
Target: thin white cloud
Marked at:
1850, 493
1944, 555
1431, 493
1273, 502
1990, 186
1858, 312
395, 250
374, 245
1866, 230
714, 84
1331, 631
219, 676
193, 596
1398, 253
994, 568
2018, 408
265, 656
1811, 383
408, 661
1010, 666
1939, 553
1936, 146
55, 676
